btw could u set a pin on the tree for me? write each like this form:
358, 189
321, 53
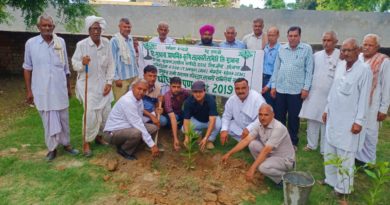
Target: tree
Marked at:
193, 3
354, 5
71, 12
275, 4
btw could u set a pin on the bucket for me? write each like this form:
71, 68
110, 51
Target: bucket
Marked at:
297, 187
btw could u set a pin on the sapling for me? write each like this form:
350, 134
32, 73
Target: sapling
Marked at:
379, 175
190, 152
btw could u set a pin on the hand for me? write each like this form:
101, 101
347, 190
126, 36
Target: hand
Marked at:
29, 97
244, 133
225, 158
186, 141
356, 128
224, 137
381, 116
155, 151
324, 116
304, 94
250, 174
202, 144
118, 83
107, 89
176, 145
265, 89
86, 60
273, 93
155, 120
159, 110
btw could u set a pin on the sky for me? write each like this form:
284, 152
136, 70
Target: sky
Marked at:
259, 3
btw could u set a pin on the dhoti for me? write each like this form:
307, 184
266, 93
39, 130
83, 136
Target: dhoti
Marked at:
96, 120
56, 125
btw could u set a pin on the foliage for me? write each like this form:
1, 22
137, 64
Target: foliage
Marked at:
275, 4
185, 40
71, 13
303, 4
379, 175
202, 3
245, 6
190, 152
354, 5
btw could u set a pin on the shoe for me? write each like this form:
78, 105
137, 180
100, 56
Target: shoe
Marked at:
86, 150
124, 154
100, 141
359, 163
307, 149
279, 185
210, 145
51, 155
71, 151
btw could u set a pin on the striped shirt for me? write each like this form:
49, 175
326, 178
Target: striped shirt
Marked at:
123, 71
293, 69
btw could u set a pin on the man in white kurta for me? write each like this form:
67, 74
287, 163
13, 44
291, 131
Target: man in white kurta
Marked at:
94, 51
325, 63
379, 98
240, 110
163, 30
46, 73
345, 116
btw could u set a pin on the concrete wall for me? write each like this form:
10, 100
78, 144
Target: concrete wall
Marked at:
186, 21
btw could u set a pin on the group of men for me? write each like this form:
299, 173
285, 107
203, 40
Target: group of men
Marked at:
343, 94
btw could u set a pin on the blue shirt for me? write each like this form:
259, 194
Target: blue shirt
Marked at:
122, 70
200, 112
293, 70
269, 59
236, 44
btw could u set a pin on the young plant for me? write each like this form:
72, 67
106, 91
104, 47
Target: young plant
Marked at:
379, 175
190, 152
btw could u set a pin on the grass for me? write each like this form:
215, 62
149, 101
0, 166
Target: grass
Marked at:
26, 178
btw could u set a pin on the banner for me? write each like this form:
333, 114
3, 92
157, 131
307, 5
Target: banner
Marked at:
217, 67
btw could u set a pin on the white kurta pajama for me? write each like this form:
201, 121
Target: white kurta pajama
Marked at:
314, 105
347, 104
380, 103
100, 72
49, 66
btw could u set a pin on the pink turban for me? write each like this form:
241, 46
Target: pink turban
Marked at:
207, 27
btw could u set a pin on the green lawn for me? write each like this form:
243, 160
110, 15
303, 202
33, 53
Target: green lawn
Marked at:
26, 178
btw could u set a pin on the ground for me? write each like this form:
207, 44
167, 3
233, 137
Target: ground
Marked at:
107, 178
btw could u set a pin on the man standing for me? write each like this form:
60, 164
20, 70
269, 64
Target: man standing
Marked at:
345, 116
124, 127
46, 74
379, 99
325, 63
123, 52
94, 51
270, 145
270, 52
256, 40
173, 103
206, 36
200, 109
291, 80
163, 30
231, 42
240, 110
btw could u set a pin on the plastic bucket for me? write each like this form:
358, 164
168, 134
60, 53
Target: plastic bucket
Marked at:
297, 187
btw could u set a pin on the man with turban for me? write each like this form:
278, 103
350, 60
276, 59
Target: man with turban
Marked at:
206, 36
94, 51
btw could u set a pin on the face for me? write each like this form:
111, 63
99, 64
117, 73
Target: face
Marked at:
199, 95
151, 78
95, 31
265, 116
370, 47
175, 88
139, 90
328, 42
293, 38
258, 28
124, 28
46, 27
207, 37
350, 52
230, 35
241, 89
163, 32
273, 36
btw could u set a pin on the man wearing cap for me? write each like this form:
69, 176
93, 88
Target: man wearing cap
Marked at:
94, 51
163, 30
206, 36
200, 109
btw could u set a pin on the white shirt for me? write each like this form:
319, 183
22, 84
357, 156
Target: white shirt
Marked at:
253, 42
347, 104
48, 83
127, 113
101, 71
324, 71
239, 114
168, 40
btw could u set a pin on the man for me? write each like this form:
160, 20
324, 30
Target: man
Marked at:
124, 127
153, 98
94, 51
270, 145
124, 54
206, 36
163, 30
379, 98
231, 42
345, 116
270, 52
200, 109
291, 80
256, 40
325, 63
173, 103
46, 74
240, 110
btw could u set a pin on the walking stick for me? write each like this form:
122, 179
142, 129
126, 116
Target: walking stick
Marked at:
85, 144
